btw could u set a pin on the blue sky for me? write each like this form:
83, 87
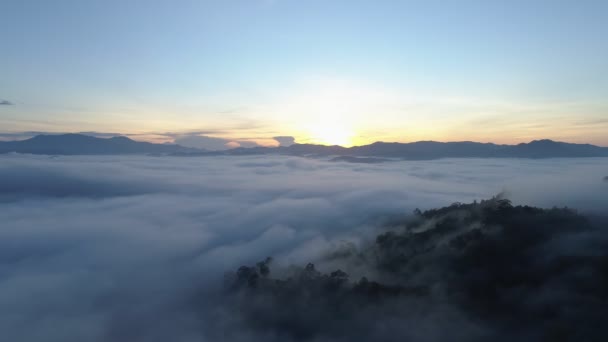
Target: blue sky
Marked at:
347, 72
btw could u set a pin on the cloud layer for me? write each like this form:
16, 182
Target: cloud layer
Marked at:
136, 248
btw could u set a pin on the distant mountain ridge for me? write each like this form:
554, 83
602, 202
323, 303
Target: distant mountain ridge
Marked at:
422, 150
79, 144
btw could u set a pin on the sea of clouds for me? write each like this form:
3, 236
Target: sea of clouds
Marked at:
136, 248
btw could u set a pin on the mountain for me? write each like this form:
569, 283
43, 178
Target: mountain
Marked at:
424, 150
468, 149
544, 148
79, 144
73, 144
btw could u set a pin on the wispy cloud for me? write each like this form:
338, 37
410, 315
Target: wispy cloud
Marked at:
6, 103
213, 143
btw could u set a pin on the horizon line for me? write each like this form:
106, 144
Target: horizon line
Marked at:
33, 134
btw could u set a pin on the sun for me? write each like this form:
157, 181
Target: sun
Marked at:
331, 134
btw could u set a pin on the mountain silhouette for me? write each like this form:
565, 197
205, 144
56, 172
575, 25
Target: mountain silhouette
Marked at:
423, 150
79, 144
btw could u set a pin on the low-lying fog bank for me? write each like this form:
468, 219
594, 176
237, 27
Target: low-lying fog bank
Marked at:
137, 248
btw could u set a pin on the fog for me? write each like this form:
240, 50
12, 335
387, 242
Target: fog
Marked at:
137, 248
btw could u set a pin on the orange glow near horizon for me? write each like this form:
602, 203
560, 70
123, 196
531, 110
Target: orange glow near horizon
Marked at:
331, 134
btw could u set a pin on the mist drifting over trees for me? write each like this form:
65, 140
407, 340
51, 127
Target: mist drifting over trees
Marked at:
466, 272
115, 248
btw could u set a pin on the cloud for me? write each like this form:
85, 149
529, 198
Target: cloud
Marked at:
285, 140
6, 103
135, 248
205, 142
212, 143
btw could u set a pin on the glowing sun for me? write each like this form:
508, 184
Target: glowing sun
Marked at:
331, 134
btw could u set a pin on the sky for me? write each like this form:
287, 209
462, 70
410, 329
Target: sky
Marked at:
330, 72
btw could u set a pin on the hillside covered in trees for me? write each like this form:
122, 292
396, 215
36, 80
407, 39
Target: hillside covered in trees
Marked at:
466, 272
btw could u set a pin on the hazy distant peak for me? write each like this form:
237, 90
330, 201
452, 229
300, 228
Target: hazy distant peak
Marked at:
541, 142
73, 143
121, 138
81, 144
65, 136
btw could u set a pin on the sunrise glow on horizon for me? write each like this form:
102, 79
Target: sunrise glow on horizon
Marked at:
303, 170
334, 73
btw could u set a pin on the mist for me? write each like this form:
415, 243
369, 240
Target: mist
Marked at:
138, 248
